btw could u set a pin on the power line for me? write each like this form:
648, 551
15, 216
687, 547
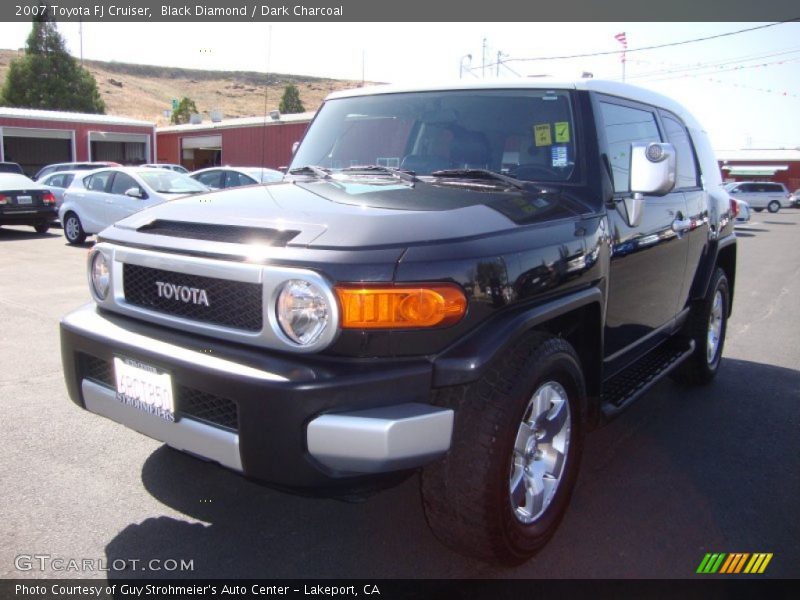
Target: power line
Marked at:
673, 68
692, 41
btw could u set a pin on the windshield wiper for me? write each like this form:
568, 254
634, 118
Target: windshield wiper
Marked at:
403, 174
479, 174
311, 170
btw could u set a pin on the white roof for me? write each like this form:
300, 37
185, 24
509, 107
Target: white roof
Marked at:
72, 117
778, 154
612, 88
240, 122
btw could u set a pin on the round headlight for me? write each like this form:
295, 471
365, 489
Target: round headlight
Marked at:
303, 311
100, 275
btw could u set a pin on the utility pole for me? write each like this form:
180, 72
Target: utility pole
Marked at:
483, 60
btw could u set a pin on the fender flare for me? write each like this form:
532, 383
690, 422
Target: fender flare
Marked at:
465, 361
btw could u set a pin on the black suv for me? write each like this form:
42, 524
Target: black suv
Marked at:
460, 279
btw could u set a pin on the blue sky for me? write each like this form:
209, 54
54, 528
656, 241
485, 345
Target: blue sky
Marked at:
743, 87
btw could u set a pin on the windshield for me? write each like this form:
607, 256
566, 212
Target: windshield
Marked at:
164, 181
526, 134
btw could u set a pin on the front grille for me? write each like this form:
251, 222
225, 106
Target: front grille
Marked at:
207, 407
230, 303
212, 409
233, 234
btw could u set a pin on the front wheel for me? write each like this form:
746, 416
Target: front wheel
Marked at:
73, 230
503, 488
774, 206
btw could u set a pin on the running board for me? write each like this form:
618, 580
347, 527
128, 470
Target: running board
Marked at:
626, 386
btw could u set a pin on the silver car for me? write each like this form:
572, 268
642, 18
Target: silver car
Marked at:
103, 197
58, 183
761, 194
225, 177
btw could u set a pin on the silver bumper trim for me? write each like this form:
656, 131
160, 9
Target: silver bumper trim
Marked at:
382, 439
188, 435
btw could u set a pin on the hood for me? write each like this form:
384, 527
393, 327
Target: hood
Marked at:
358, 213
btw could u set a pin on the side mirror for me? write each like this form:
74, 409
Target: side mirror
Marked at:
134, 192
652, 169
294, 147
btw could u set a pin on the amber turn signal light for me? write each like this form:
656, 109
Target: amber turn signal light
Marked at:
369, 306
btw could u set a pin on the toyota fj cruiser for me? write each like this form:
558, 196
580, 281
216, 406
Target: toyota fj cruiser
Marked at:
459, 278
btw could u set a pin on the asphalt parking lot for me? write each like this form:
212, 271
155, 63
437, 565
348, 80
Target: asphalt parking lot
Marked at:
682, 473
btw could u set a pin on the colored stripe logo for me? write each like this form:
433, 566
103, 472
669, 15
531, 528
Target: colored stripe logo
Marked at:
734, 563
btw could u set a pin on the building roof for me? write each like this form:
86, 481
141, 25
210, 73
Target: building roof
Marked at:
761, 154
239, 122
70, 117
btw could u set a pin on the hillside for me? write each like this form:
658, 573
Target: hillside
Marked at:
145, 92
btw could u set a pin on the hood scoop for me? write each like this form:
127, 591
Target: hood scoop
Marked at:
232, 234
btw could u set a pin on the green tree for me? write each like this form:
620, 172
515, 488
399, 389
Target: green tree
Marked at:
47, 77
290, 103
182, 114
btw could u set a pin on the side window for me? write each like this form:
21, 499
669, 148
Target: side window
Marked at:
68, 180
625, 125
55, 181
233, 179
678, 137
210, 178
99, 181
122, 183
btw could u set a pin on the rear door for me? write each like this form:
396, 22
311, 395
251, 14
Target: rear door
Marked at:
90, 200
648, 261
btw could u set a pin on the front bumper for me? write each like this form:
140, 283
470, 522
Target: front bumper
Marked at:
300, 422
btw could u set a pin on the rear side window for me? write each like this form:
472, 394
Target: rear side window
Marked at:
625, 125
56, 181
233, 179
679, 138
211, 178
98, 182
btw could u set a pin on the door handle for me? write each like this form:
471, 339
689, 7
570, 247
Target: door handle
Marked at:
681, 225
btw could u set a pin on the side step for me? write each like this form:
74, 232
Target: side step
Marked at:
626, 386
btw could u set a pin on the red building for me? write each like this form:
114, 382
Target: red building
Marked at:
245, 142
781, 166
34, 138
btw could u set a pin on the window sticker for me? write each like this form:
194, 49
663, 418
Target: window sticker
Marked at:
562, 132
559, 156
541, 134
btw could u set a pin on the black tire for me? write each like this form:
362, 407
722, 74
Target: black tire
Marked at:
467, 496
758, 209
774, 206
73, 230
702, 366
42, 227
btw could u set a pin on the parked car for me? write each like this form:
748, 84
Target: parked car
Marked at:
95, 201
72, 166
741, 210
497, 276
25, 202
761, 194
226, 177
169, 166
11, 167
796, 197
58, 182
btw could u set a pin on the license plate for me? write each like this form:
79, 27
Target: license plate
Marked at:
144, 388
24, 200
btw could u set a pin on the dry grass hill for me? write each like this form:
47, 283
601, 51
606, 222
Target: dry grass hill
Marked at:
145, 92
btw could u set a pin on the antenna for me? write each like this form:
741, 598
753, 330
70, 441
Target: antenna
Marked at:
266, 96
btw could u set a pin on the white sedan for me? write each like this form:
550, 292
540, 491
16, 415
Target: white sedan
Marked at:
103, 197
225, 177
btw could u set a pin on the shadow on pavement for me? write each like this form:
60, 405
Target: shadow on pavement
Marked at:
683, 472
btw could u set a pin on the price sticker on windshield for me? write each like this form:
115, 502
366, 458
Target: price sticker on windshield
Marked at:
542, 135
562, 132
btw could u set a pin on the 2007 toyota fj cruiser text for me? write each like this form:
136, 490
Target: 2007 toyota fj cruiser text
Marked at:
463, 279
